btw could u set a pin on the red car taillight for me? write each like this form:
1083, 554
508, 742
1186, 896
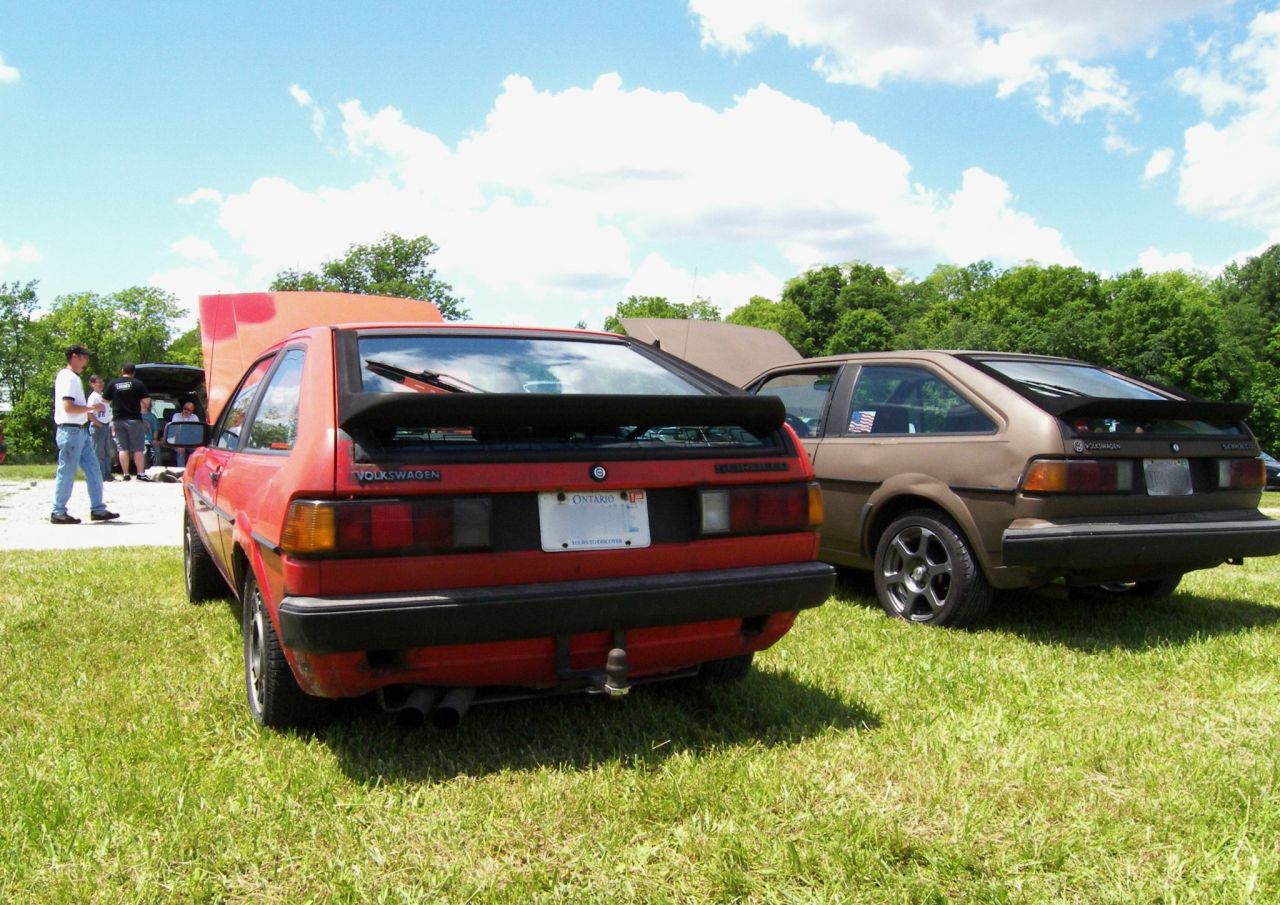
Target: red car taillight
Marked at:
387, 526
1241, 474
1078, 476
761, 509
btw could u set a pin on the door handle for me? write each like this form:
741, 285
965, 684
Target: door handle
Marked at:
214, 477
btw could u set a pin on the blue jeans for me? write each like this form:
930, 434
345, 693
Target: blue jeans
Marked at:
75, 451
100, 437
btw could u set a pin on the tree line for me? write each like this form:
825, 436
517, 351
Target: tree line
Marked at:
1216, 337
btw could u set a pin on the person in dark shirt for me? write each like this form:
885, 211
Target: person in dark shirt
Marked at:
127, 395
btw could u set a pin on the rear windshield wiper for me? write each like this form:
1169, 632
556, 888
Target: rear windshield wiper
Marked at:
422, 381
1049, 389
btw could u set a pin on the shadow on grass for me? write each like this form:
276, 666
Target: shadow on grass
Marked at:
1122, 624
578, 731
1095, 624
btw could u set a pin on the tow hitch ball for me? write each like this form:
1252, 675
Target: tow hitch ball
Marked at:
616, 668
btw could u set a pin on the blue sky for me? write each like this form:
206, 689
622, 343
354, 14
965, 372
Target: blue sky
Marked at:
565, 155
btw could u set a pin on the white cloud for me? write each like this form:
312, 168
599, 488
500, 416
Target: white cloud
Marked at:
1018, 45
25, 253
981, 219
1155, 261
1092, 88
540, 213
1231, 171
8, 74
1158, 164
658, 276
204, 272
303, 97
199, 195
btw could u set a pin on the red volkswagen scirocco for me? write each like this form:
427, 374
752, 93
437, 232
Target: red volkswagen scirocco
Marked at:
448, 513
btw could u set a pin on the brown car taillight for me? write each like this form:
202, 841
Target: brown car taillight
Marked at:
1078, 476
1241, 474
387, 526
761, 509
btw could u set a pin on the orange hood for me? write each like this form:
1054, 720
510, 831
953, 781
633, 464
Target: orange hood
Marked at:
236, 328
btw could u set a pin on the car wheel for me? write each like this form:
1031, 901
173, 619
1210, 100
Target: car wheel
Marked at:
925, 571
200, 575
730, 669
1151, 589
275, 700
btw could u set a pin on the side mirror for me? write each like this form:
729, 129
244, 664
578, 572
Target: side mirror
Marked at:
186, 433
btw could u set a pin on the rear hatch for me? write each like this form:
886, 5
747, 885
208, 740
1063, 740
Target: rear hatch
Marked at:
1147, 447
613, 456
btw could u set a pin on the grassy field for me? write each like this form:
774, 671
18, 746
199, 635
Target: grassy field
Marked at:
1063, 753
11, 472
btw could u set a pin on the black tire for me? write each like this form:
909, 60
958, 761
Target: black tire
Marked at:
925, 571
200, 575
274, 698
1148, 589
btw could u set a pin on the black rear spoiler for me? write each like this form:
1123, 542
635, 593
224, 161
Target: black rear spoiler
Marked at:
759, 414
1144, 409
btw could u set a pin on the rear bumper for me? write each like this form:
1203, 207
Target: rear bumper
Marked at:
512, 612
1189, 542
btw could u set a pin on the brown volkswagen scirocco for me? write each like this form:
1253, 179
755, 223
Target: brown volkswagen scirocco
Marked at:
950, 474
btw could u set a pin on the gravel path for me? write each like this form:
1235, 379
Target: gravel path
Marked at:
150, 515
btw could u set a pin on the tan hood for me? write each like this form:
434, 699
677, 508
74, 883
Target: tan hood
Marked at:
236, 328
731, 352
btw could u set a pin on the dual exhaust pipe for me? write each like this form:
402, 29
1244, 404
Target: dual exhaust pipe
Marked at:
447, 710
446, 713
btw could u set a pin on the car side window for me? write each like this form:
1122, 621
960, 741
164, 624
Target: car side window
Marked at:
902, 399
804, 393
275, 424
232, 421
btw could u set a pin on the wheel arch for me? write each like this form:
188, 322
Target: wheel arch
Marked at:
903, 493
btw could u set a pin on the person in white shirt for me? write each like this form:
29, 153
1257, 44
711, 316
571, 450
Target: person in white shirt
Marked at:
100, 427
188, 413
71, 415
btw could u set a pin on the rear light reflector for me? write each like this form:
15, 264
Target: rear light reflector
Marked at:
432, 525
1078, 476
761, 509
1241, 474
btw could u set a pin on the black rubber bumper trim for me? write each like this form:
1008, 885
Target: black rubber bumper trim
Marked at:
508, 613
1089, 546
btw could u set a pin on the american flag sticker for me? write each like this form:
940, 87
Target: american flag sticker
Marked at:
860, 422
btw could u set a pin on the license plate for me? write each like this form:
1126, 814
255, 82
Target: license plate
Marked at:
593, 520
1167, 477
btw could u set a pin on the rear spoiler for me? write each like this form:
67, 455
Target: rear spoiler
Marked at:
759, 414
1145, 409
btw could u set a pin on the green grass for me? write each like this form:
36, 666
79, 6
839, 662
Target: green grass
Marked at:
1111, 753
13, 472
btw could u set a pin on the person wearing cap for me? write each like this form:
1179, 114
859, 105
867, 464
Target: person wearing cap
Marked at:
71, 415
129, 396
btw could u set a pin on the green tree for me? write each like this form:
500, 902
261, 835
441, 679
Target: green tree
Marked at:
860, 330
699, 309
185, 349
824, 294
392, 266
781, 317
130, 325
1165, 327
18, 302
1249, 297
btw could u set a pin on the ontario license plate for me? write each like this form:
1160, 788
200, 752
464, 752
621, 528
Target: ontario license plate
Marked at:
593, 520
1167, 477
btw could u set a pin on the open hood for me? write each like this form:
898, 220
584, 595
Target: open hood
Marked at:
236, 328
729, 351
